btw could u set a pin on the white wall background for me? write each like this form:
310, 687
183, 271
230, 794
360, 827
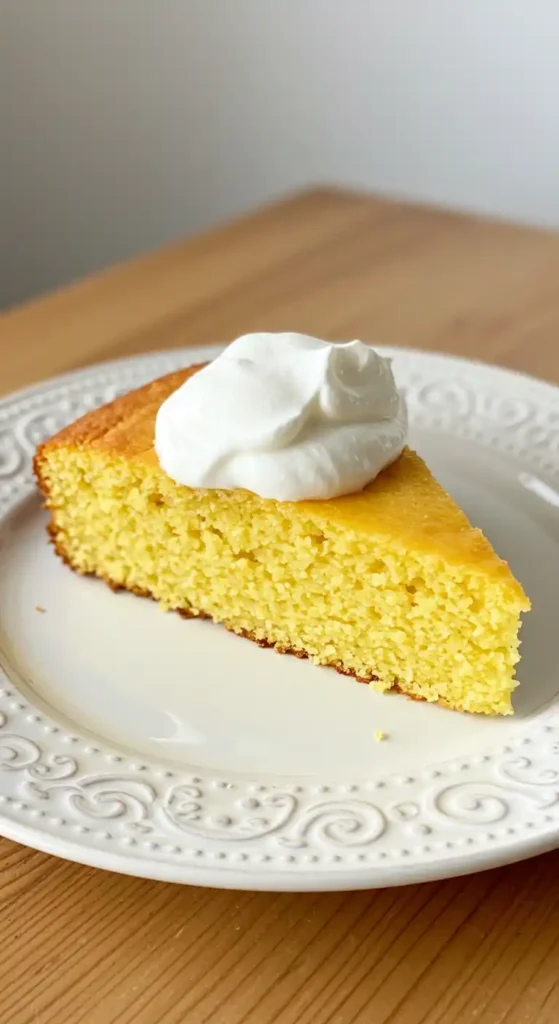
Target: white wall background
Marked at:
124, 123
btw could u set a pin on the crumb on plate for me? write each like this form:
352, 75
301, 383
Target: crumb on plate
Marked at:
380, 735
39, 608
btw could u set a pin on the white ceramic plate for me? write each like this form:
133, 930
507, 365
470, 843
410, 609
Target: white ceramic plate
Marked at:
144, 743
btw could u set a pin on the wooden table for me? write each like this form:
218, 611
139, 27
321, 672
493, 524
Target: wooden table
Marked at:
82, 947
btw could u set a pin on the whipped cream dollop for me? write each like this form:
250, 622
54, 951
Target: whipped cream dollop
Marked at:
286, 416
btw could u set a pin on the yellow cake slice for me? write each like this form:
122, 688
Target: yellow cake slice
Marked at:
391, 585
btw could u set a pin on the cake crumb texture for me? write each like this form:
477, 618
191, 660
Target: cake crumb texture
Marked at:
391, 585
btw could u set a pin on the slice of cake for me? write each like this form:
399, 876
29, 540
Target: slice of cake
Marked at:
390, 584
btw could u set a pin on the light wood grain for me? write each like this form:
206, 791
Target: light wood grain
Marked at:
83, 947
330, 263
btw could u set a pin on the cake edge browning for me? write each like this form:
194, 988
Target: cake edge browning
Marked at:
93, 426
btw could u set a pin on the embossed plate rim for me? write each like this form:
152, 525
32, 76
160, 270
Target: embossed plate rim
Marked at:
161, 824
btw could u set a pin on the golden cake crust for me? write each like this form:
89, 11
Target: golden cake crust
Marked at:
432, 523
126, 425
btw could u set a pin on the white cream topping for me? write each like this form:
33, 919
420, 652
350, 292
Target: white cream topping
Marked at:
286, 416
